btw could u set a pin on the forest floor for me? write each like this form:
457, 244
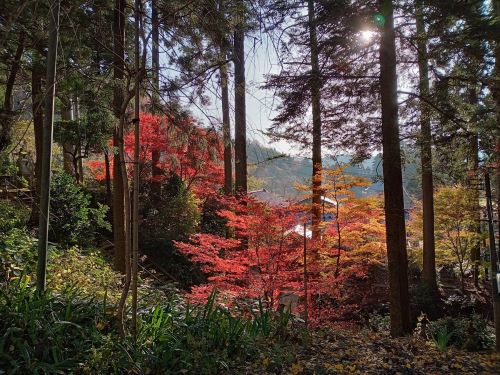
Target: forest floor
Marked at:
350, 351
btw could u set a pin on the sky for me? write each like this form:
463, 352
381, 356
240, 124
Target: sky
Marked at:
260, 60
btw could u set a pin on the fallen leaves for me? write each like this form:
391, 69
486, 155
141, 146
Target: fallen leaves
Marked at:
364, 352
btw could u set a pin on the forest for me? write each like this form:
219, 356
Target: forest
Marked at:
250, 187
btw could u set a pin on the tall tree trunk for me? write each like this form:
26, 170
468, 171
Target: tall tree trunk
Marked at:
393, 181
109, 194
495, 293
135, 211
37, 110
78, 151
155, 96
475, 253
226, 132
125, 224
119, 218
240, 127
50, 87
6, 115
429, 250
67, 115
496, 95
315, 84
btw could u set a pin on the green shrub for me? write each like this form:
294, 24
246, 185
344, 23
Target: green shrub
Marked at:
426, 300
441, 337
203, 339
472, 333
72, 219
12, 216
17, 254
86, 269
379, 323
68, 332
174, 216
206, 339
45, 334
7, 166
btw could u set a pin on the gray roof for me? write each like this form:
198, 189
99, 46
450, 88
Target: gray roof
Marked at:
323, 199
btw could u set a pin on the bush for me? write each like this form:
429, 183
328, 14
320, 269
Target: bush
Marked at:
66, 332
379, 323
72, 219
89, 271
45, 334
472, 333
211, 221
204, 339
17, 254
426, 300
7, 166
174, 216
461, 304
12, 216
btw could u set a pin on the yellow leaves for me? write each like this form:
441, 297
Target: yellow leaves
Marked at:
296, 369
339, 367
457, 366
357, 351
342, 368
264, 360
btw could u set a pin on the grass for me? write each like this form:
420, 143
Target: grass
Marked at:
72, 329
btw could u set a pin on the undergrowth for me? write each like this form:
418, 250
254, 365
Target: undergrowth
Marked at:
72, 327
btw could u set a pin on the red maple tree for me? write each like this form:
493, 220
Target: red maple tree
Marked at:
265, 264
192, 152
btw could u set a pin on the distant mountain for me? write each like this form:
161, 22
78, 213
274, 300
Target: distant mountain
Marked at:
278, 173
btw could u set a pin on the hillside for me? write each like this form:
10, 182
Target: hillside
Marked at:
279, 173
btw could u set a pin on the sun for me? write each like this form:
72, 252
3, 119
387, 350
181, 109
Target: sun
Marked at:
366, 35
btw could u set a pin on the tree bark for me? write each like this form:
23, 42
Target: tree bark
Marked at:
109, 194
119, 217
37, 110
78, 151
226, 132
429, 250
496, 95
6, 116
66, 115
494, 263
155, 95
393, 181
48, 126
135, 210
124, 224
315, 84
475, 253
240, 127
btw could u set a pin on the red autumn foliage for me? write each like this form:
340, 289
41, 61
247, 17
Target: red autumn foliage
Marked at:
192, 152
268, 263
265, 264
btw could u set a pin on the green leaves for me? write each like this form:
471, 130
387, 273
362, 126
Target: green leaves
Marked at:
73, 219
